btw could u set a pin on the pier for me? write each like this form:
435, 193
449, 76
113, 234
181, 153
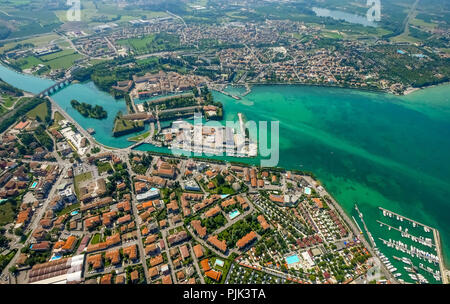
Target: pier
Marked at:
408, 235
371, 240
248, 90
444, 272
404, 217
360, 231
404, 248
229, 94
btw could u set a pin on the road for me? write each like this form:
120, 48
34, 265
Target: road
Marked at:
408, 19
112, 45
17, 100
197, 268
137, 219
35, 221
76, 124
204, 244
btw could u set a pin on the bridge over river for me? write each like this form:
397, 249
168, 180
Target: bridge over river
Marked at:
55, 87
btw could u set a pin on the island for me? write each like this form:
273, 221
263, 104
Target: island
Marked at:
87, 110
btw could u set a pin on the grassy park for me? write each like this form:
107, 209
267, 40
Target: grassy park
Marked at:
39, 111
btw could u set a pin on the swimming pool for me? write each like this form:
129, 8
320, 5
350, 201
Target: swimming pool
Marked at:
224, 195
55, 257
74, 213
34, 185
219, 263
233, 214
292, 259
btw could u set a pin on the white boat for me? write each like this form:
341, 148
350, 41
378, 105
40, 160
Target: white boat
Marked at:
396, 275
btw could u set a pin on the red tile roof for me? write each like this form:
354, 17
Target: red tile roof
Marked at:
246, 239
221, 245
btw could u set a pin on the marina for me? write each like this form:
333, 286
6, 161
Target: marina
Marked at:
407, 248
417, 245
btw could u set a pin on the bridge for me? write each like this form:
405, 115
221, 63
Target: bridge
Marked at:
147, 140
54, 88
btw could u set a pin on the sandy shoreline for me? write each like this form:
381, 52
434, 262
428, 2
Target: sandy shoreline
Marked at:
411, 89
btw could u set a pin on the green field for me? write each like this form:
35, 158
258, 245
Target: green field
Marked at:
8, 100
139, 137
152, 43
97, 238
5, 259
58, 117
36, 41
122, 126
102, 11
332, 35
41, 111
138, 44
59, 60
28, 62
7, 213
423, 24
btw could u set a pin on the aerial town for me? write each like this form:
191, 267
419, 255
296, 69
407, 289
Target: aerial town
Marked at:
91, 216
97, 221
107, 176
240, 52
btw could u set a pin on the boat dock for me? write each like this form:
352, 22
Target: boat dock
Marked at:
371, 240
229, 94
407, 235
248, 90
437, 243
360, 231
404, 217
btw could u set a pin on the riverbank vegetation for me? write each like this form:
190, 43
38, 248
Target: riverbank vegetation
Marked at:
8, 89
87, 110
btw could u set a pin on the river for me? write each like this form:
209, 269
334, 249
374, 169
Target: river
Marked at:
375, 149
